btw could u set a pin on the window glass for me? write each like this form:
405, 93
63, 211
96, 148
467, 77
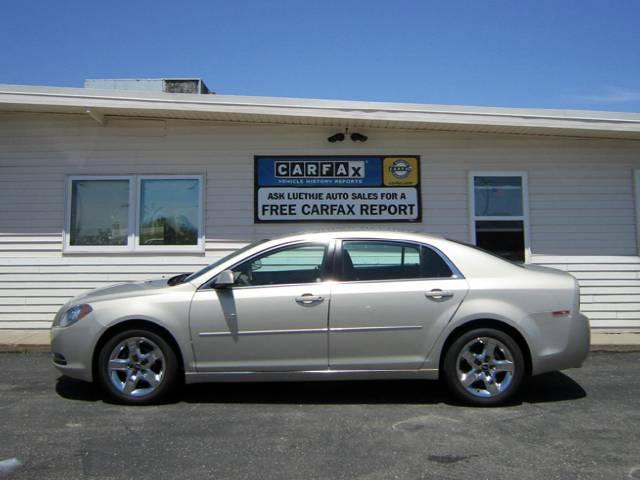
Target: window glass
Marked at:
169, 211
498, 196
99, 212
504, 238
374, 260
296, 264
224, 259
433, 266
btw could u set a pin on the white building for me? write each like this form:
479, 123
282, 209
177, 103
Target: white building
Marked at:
105, 186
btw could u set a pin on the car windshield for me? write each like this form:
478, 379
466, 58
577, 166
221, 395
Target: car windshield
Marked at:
223, 260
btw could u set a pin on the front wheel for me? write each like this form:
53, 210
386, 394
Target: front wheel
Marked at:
137, 367
484, 367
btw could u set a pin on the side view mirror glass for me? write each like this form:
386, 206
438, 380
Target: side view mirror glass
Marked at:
224, 279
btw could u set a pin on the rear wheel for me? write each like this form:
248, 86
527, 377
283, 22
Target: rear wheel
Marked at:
137, 367
484, 367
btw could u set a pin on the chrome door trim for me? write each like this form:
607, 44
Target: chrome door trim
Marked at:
262, 332
312, 372
369, 329
308, 375
310, 330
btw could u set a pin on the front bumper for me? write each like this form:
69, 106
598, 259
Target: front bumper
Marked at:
75, 344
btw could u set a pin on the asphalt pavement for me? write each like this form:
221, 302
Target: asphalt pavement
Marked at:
579, 424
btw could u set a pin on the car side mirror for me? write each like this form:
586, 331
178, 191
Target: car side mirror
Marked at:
224, 279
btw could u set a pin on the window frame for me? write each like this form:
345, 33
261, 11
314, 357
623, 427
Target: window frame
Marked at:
473, 218
133, 229
338, 263
636, 194
327, 264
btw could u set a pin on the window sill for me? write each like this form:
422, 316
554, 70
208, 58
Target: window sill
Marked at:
200, 251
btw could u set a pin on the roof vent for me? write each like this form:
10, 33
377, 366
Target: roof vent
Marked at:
167, 85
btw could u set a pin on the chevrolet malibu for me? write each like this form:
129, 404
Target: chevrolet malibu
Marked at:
329, 306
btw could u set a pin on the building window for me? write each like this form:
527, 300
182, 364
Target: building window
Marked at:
99, 212
143, 213
499, 213
169, 211
636, 192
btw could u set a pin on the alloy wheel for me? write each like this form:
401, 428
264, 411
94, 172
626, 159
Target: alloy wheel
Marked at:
485, 367
136, 367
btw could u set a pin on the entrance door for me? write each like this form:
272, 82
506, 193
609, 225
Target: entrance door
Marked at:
391, 303
274, 318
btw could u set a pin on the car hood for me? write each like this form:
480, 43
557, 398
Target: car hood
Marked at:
121, 290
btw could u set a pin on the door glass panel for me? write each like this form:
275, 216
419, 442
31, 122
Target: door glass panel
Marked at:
298, 264
99, 212
368, 260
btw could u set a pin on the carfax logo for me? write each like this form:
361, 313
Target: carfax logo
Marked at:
323, 169
400, 168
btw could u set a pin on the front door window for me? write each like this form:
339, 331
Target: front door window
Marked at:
289, 265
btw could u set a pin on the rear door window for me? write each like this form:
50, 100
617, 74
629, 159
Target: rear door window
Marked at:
364, 260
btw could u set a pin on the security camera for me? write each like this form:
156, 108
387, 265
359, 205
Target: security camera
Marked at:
338, 137
358, 137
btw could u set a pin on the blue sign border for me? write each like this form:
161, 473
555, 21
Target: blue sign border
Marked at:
269, 178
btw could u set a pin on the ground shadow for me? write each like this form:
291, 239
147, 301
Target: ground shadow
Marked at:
78, 390
550, 387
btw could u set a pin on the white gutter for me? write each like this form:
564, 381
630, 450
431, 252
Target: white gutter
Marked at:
390, 115
157, 101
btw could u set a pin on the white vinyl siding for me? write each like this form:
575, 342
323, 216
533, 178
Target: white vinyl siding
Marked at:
582, 211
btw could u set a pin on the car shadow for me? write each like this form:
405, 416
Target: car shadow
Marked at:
549, 387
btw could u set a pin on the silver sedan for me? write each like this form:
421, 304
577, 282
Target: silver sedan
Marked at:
329, 306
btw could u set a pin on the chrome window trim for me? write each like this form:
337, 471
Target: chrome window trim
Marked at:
328, 244
455, 272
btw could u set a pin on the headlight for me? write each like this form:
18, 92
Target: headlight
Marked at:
72, 315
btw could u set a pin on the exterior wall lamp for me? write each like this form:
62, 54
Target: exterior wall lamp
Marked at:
339, 137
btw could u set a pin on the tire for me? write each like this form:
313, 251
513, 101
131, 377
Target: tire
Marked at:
137, 367
484, 367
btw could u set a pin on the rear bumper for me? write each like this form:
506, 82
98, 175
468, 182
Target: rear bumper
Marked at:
566, 346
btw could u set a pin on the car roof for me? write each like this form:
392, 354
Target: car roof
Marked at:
374, 234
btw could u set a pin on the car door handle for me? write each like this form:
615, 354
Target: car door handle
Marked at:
437, 294
309, 299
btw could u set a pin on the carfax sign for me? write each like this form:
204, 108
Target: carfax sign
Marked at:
337, 188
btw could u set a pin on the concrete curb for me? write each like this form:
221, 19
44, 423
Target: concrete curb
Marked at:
24, 348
